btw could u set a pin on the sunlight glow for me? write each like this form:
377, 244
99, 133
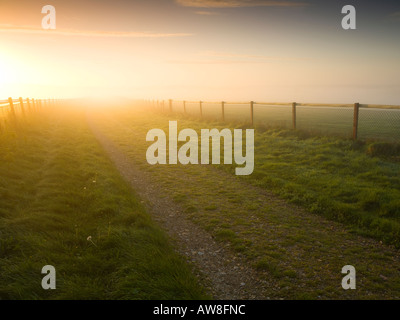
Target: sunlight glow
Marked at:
7, 71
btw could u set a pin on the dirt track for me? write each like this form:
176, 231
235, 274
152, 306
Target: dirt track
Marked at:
309, 250
225, 275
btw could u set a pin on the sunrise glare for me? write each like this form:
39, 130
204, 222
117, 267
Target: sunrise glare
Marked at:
273, 51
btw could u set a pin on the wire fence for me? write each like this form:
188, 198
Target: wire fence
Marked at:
13, 109
356, 121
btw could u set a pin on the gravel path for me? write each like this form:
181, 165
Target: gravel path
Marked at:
224, 274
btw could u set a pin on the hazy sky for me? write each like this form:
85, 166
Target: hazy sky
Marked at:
202, 49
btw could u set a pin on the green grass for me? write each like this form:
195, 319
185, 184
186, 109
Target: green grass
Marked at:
57, 188
355, 183
334, 178
299, 253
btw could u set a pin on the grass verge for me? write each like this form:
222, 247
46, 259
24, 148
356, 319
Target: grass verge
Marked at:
299, 254
355, 183
58, 188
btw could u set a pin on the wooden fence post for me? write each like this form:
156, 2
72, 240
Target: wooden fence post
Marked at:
21, 103
28, 104
223, 111
201, 109
355, 120
252, 113
294, 115
11, 103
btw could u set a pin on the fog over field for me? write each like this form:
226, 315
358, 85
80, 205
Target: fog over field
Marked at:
246, 50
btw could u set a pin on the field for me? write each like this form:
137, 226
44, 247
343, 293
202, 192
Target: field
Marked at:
57, 189
312, 205
330, 177
200, 158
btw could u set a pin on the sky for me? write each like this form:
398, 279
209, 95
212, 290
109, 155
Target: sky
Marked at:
261, 50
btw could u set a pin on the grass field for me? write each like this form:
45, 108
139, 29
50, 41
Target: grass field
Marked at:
58, 188
355, 183
298, 253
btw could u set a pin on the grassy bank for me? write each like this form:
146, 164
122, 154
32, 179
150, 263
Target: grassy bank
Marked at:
299, 254
345, 181
58, 188
355, 183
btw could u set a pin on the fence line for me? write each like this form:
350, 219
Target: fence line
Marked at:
9, 109
28, 102
357, 113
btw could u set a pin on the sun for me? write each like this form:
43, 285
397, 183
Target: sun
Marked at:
7, 72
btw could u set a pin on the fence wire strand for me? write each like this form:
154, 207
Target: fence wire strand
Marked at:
379, 123
374, 122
